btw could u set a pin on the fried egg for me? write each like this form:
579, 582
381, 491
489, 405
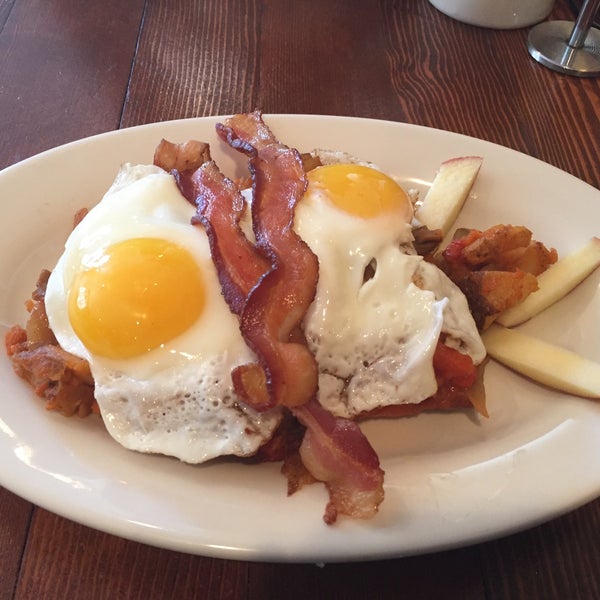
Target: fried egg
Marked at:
136, 294
379, 308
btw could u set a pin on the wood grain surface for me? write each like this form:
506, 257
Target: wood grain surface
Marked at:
74, 68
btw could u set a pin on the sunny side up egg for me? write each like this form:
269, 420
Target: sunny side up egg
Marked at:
136, 294
379, 309
120, 297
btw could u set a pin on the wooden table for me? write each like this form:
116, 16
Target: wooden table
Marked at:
70, 68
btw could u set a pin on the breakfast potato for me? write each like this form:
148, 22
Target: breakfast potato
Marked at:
494, 244
496, 268
555, 283
533, 258
491, 292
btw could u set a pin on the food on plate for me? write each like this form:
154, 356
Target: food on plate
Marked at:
135, 294
380, 309
319, 235
449, 190
555, 283
265, 317
508, 278
496, 269
544, 362
182, 157
63, 379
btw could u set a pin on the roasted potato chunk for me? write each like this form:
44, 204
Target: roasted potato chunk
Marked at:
496, 268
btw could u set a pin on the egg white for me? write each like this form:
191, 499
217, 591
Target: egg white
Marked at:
373, 338
379, 309
176, 399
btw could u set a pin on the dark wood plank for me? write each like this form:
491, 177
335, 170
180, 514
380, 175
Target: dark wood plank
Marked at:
338, 62
225, 56
558, 560
15, 515
442, 83
64, 71
194, 59
5, 8
94, 564
90, 564
374, 67
419, 578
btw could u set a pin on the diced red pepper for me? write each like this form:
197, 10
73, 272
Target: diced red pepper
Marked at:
453, 367
453, 251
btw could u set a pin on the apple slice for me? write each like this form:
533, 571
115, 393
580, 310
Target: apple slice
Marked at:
543, 362
448, 192
555, 283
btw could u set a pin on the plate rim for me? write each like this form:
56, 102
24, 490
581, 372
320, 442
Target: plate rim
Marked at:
143, 534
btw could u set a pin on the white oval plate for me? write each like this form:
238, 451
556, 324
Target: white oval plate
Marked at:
451, 479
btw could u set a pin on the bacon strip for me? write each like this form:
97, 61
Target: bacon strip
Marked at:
246, 132
335, 451
220, 207
275, 307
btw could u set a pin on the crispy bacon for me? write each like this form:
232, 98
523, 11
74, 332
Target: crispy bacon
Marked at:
271, 295
276, 305
335, 451
246, 132
220, 206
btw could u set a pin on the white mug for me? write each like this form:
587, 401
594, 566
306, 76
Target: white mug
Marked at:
496, 14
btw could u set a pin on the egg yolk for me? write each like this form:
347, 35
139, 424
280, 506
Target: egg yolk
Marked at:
360, 191
135, 296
